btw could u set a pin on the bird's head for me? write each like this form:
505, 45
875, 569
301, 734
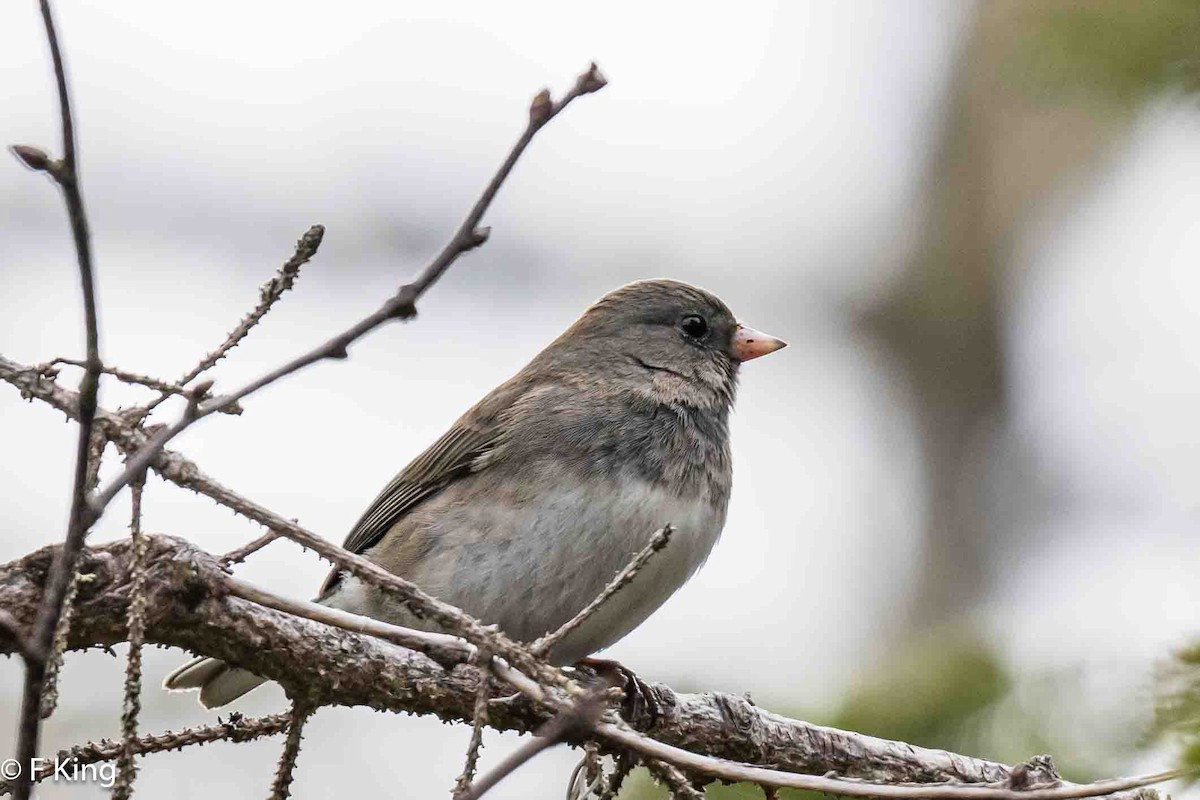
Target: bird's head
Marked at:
669, 334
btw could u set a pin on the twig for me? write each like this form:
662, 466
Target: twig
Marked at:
240, 554
281, 788
440, 646
462, 784
612, 785
237, 729
573, 720
66, 174
58, 646
677, 783
136, 464
588, 776
132, 706
268, 294
401, 305
657, 542
21, 643
125, 376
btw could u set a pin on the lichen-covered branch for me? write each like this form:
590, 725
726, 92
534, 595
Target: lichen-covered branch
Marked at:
188, 606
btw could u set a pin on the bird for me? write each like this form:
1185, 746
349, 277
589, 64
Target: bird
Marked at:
526, 508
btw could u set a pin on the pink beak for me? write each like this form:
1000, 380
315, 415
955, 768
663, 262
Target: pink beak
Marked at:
749, 343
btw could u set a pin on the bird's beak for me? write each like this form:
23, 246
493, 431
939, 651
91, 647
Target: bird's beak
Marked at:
749, 343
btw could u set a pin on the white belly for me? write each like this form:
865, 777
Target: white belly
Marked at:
530, 567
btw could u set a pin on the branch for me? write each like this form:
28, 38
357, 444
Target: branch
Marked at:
66, 174
268, 294
401, 305
236, 729
189, 606
50, 369
281, 787
657, 542
572, 721
21, 644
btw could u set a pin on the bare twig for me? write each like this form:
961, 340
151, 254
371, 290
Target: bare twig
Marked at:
135, 464
236, 729
281, 788
614, 781
10, 628
462, 784
401, 305
440, 646
676, 782
58, 645
587, 779
283, 279
573, 720
125, 376
66, 174
240, 554
132, 706
657, 542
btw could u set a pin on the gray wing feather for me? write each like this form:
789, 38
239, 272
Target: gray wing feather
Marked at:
460, 451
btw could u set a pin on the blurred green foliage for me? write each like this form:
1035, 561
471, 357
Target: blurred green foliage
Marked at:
1178, 708
929, 693
1116, 51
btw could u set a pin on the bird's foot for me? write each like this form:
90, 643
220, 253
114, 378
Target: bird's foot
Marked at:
638, 702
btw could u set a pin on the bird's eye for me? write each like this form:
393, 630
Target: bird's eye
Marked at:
694, 326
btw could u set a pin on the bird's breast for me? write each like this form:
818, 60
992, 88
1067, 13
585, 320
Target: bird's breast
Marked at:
530, 561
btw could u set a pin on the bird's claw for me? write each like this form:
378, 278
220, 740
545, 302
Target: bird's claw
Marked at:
638, 701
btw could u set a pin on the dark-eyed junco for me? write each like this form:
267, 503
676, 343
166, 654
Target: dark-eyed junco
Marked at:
526, 508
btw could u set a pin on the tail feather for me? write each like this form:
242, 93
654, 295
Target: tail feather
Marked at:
219, 683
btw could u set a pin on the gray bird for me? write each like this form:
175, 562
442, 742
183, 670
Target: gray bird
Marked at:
526, 508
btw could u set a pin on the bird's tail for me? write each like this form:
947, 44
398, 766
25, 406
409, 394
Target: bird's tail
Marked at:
219, 683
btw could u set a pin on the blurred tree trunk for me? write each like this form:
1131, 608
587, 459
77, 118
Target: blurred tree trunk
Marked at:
999, 157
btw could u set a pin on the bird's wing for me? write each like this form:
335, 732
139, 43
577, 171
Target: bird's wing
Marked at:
462, 450
466, 448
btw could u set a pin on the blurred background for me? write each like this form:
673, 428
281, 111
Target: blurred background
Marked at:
965, 508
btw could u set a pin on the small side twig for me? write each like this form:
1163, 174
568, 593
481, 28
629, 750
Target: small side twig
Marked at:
573, 720
676, 782
126, 766
281, 788
240, 554
58, 646
235, 729
661, 539
614, 781
462, 784
49, 369
440, 646
268, 294
12, 630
